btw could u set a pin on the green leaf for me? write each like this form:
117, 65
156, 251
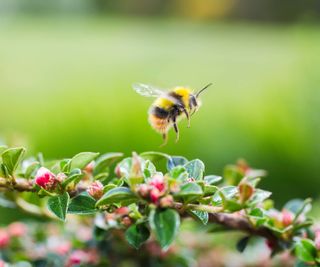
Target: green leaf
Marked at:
32, 170
189, 192
259, 196
105, 161
3, 170
3, 148
232, 175
154, 156
299, 263
305, 250
179, 173
117, 195
137, 234
210, 190
58, 205
298, 207
125, 167
165, 225
242, 243
176, 161
74, 177
195, 169
212, 179
81, 160
201, 216
11, 158
229, 192
82, 204
149, 169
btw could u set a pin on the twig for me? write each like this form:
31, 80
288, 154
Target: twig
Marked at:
231, 221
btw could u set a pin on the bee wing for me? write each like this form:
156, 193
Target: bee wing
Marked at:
147, 90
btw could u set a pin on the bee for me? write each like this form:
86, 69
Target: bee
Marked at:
169, 107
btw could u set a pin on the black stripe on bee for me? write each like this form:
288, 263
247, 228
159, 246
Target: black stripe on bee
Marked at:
160, 112
177, 97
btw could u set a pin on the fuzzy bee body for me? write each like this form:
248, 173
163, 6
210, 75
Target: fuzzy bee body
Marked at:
169, 107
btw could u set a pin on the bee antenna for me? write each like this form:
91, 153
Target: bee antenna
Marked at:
204, 88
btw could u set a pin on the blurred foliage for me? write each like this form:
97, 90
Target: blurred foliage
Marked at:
263, 10
65, 87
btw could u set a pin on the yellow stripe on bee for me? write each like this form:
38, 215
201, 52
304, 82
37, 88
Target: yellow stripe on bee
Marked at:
164, 103
185, 93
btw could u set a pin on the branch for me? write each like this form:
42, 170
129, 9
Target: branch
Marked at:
231, 221
21, 185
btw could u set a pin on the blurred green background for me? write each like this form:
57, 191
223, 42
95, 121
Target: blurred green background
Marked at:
66, 70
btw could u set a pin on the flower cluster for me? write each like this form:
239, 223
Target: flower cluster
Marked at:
135, 201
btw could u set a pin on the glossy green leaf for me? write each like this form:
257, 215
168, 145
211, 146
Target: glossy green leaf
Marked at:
189, 192
32, 170
232, 175
74, 177
58, 205
212, 179
259, 196
210, 190
117, 195
3, 171
195, 169
81, 160
137, 234
105, 161
155, 156
165, 225
149, 169
305, 250
298, 207
11, 158
175, 161
179, 173
3, 148
201, 216
229, 192
82, 204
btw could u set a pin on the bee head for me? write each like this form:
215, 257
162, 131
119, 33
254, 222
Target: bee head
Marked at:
194, 101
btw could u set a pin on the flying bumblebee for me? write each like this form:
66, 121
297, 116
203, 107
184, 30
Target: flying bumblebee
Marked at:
169, 107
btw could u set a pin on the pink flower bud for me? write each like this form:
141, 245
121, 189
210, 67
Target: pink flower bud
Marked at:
45, 178
63, 248
95, 190
61, 177
4, 239
126, 221
270, 244
77, 257
144, 190
89, 167
2, 263
158, 182
287, 217
17, 229
117, 171
166, 201
122, 211
155, 195
317, 240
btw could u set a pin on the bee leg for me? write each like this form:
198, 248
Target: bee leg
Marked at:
175, 127
188, 116
165, 139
